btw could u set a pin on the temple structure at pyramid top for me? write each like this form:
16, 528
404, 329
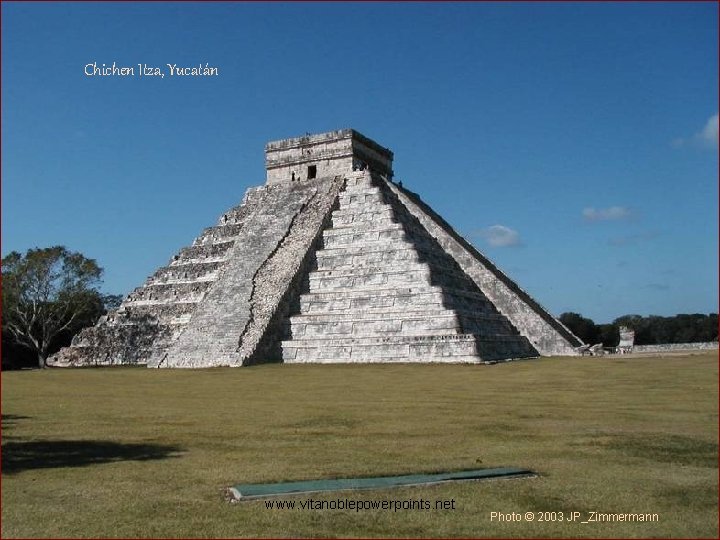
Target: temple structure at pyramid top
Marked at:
328, 261
327, 154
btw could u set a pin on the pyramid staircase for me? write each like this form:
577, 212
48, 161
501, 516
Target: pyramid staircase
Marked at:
382, 289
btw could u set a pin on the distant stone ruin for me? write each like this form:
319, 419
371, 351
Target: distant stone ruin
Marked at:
329, 261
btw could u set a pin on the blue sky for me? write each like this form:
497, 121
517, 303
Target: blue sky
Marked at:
574, 144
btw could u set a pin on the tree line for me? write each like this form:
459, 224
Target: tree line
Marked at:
650, 330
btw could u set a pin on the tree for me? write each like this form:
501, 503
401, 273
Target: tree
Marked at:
609, 335
46, 293
582, 327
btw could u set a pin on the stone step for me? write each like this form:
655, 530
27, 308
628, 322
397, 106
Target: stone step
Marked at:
390, 274
351, 271
361, 349
381, 211
358, 192
437, 348
418, 326
163, 292
353, 201
439, 271
407, 242
361, 248
486, 326
362, 222
338, 237
369, 281
386, 241
394, 296
322, 296
394, 312
220, 258
233, 216
387, 313
186, 272
430, 320
218, 234
339, 258
382, 208
355, 180
121, 320
339, 302
352, 230
212, 252
209, 278
239, 213
364, 207
156, 311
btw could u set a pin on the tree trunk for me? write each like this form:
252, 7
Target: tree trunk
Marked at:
42, 361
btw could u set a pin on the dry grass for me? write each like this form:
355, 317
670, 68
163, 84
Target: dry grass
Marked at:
146, 453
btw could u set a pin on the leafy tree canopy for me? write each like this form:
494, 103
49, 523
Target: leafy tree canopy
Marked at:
48, 293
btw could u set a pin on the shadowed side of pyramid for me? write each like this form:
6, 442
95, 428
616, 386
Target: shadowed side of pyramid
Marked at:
548, 335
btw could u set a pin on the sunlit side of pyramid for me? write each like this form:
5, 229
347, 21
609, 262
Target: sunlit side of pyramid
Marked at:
329, 261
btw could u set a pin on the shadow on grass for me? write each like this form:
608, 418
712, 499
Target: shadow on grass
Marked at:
8, 423
28, 455
9, 420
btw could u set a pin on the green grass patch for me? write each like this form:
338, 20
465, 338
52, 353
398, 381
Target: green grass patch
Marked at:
147, 453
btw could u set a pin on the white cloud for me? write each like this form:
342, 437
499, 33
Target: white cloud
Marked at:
612, 213
709, 134
500, 236
708, 137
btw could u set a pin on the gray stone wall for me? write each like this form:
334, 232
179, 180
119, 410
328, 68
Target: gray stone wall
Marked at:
669, 347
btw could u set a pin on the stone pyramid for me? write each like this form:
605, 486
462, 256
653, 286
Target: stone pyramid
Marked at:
329, 261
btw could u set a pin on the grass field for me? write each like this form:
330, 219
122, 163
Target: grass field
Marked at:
146, 453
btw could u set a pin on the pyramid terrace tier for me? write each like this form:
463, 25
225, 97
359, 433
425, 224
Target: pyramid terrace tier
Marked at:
400, 254
239, 213
463, 348
188, 272
158, 312
346, 257
382, 277
395, 297
203, 253
431, 320
218, 234
164, 293
113, 344
362, 217
439, 321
